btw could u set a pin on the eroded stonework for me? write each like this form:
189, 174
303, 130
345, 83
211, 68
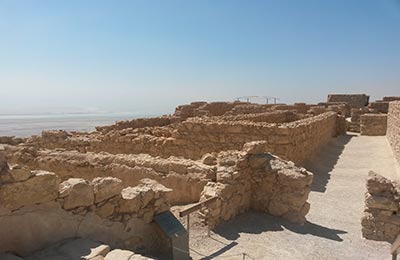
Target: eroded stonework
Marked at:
108, 184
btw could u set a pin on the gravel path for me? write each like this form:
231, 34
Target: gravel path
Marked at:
333, 230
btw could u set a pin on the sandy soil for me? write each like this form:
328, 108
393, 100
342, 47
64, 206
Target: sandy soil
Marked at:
333, 230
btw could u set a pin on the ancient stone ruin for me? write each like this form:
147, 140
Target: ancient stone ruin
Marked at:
104, 188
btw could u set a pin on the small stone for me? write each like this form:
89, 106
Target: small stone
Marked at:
99, 251
19, 173
118, 254
106, 210
130, 201
379, 202
209, 159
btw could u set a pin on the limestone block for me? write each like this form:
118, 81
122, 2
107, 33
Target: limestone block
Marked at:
130, 201
118, 254
41, 187
19, 173
377, 184
76, 193
106, 187
380, 202
255, 147
105, 210
99, 251
209, 159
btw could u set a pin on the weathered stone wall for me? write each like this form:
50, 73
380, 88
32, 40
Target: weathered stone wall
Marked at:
139, 123
254, 179
379, 106
393, 127
373, 124
381, 218
354, 100
388, 99
251, 178
293, 141
37, 209
193, 138
341, 107
12, 140
205, 109
186, 178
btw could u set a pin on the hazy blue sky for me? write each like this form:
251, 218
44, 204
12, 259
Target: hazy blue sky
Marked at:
152, 55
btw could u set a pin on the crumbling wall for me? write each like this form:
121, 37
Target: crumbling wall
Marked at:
381, 218
393, 127
341, 107
373, 124
354, 100
37, 209
293, 141
139, 123
280, 116
193, 138
205, 109
186, 178
254, 179
12, 140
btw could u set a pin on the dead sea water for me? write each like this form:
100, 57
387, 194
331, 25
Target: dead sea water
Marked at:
27, 125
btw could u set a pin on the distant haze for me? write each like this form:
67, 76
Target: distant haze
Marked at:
146, 57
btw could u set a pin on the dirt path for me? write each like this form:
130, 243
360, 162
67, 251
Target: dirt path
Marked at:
333, 230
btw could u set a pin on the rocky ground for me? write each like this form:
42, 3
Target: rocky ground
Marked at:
333, 230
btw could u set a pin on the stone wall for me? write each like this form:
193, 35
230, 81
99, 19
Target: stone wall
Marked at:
185, 177
379, 106
205, 109
37, 209
393, 127
295, 141
373, 124
381, 218
393, 98
254, 179
354, 100
139, 123
105, 209
12, 140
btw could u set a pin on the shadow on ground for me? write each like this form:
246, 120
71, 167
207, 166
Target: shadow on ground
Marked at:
256, 223
325, 160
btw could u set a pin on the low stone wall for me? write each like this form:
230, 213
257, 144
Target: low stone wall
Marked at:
341, 107
185, 177
205, 109
373, 124
56, 207
381, 218
254, 179
393, 98
139, 123
12, 140
37, 209
295, 141
354, 100
393, 127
